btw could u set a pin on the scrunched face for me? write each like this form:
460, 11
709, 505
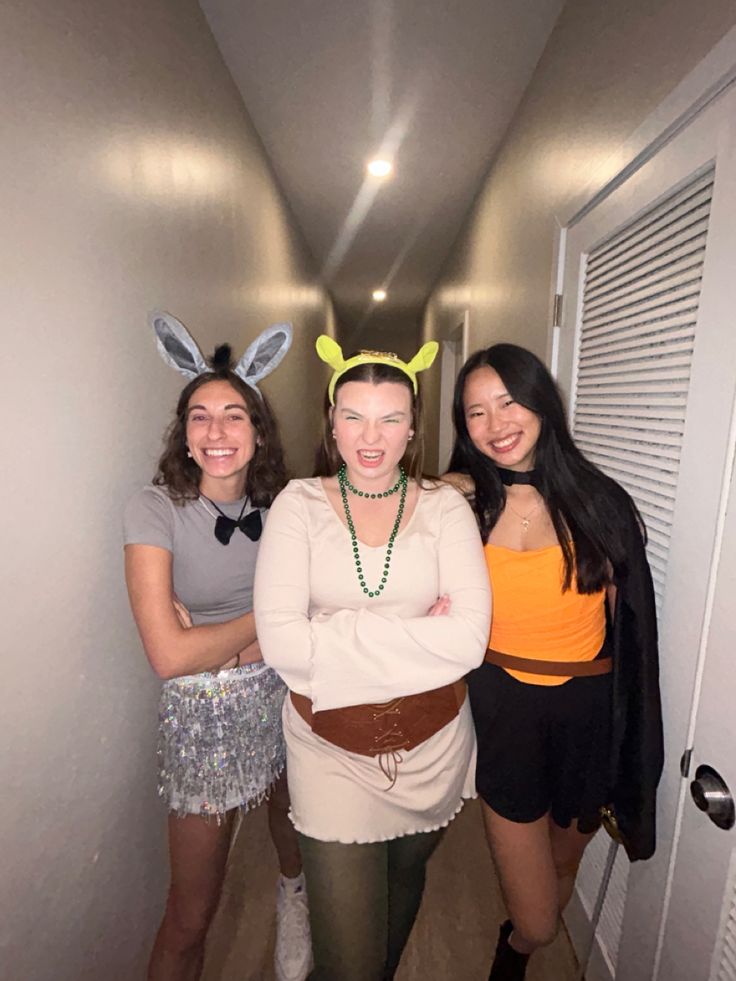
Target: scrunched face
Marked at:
372, 424
221, 439
499, 427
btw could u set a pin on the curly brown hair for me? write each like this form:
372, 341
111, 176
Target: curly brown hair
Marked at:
266, 474
327, 459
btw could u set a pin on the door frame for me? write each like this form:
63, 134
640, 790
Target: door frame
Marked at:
715, 74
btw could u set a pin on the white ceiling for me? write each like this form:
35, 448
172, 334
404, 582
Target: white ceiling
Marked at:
432, 84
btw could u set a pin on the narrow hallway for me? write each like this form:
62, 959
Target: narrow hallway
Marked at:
164, 155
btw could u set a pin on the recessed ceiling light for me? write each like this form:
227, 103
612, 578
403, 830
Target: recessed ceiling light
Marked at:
379, 295
380, 168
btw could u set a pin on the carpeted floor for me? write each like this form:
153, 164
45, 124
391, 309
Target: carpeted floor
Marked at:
453, 937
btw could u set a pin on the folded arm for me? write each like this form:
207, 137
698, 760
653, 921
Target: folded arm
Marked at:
172, 648
353, 656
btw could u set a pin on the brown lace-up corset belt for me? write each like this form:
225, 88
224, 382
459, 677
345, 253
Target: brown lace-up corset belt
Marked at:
386, 727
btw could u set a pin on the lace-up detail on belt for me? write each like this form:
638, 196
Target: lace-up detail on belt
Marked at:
385, 729
391, 740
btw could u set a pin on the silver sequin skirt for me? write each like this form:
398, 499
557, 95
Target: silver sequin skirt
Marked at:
220, 740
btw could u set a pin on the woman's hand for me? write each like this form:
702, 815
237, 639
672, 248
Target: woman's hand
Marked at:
251, 654
185, 618
440, 608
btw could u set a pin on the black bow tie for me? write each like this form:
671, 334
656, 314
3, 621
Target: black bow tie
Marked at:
251, 525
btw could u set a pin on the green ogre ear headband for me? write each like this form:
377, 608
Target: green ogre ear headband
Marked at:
331, 353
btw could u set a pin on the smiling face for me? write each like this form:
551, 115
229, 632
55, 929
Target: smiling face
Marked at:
500, 428
220, 438
372, 424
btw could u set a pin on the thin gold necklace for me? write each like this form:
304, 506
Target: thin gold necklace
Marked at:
525, 518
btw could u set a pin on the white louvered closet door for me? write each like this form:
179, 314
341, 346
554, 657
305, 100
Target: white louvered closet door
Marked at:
640, 303
647, 361
640, 306
640, 296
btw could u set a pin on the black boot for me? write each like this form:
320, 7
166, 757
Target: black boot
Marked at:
508, 964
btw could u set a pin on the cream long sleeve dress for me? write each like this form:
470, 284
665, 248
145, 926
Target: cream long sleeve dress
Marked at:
332, 643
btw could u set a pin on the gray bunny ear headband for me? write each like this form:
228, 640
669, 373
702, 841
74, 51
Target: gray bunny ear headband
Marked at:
179, 349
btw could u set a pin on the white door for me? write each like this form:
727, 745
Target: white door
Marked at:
647, 357
699, 936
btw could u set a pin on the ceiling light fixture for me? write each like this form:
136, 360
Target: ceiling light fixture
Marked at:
379, 295
380, 168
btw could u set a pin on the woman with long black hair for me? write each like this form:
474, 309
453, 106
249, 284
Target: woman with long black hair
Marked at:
566, 705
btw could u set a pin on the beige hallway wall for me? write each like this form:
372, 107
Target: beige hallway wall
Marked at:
131, 179
607, 66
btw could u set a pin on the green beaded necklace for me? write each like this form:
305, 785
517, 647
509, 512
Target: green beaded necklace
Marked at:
343, 475
345, 485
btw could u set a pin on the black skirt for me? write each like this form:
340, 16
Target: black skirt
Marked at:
542, 749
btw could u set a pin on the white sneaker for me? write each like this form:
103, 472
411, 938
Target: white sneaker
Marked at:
293, 956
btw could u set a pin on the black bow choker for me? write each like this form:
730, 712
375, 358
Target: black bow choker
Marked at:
251, 525
509, 477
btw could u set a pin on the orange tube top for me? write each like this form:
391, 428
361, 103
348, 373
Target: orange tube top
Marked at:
533, 618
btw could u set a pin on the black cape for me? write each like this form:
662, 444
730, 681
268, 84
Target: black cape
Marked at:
637, 749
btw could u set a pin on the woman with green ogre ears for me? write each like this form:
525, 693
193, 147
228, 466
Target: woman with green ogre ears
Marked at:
372, 602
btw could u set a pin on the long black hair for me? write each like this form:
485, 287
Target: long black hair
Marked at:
584, 504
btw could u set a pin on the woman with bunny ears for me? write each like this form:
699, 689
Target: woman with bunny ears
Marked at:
191, 541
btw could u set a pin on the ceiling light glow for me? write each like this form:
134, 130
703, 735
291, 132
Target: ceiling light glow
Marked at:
379, 295
380, 168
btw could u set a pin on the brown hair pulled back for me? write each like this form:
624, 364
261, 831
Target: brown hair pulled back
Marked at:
328, 460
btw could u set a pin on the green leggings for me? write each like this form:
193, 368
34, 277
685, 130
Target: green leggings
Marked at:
363, 900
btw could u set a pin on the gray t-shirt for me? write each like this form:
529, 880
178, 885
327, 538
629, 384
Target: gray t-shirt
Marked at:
213, 581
